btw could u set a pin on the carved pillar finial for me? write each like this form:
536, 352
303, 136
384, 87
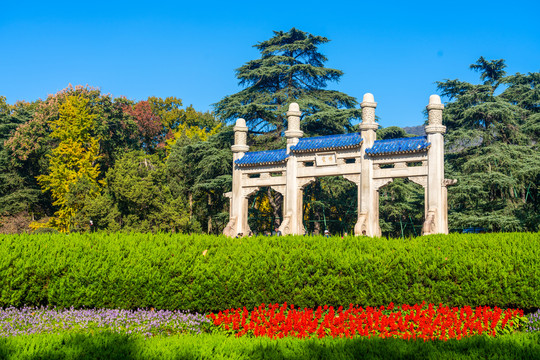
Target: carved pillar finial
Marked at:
240, 137
368, 126
293, 122
435, 109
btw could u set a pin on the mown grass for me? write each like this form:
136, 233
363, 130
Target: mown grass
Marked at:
216, 346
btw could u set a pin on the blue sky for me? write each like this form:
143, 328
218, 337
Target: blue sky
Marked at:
395, 50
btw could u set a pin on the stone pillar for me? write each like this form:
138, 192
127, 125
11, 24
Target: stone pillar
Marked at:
238, 212
436, 221
368, 200
292, 220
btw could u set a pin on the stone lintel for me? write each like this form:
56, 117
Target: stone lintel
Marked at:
334, 170
400, 172
392, 159
270, 181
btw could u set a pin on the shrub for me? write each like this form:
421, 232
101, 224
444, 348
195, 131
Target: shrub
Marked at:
170, 271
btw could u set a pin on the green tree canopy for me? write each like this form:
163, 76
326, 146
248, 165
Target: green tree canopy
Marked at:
492, 149
137, 196
290, 69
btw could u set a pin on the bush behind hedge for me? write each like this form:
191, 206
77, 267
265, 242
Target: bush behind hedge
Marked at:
169, 271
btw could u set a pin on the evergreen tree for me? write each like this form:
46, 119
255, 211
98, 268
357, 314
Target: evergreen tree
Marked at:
492, 149
201, 172
19, 191
138, 197
290, 69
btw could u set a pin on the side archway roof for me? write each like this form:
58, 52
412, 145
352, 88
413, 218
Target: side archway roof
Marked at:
399, 146
263, 157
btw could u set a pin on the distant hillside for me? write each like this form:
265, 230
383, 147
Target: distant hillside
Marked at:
415, 130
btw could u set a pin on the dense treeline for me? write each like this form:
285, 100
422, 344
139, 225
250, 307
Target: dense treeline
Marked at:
82, 160
211, 273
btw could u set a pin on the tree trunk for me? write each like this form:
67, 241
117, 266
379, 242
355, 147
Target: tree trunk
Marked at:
190, 197
209, 213
317, 224
274, 199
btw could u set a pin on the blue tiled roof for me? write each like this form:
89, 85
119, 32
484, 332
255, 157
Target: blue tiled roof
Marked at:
329, 142
263, 157
399, 146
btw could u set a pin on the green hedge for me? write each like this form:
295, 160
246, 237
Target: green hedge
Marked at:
170, 271
116, 346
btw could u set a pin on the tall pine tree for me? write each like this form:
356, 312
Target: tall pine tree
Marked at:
290, 69
492, 149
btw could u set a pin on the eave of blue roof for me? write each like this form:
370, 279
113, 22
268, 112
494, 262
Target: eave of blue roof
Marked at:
263, 157
330, 142
399, 146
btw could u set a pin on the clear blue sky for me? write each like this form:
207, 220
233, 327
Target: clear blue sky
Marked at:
395, 50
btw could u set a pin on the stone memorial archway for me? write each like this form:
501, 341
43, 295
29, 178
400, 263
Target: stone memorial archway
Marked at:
358, 157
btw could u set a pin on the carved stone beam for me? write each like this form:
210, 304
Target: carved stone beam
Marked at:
449, 182
303, 182
420, 180
280, 189
354, 178
379, 183
247, 192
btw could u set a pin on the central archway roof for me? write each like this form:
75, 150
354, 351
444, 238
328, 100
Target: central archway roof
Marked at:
330, 142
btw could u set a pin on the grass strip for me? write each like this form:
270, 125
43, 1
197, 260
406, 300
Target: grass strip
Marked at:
105, 345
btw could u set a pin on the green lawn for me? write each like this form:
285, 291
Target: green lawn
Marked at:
207, 346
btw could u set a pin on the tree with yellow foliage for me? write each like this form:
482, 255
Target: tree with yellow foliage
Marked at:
73, 161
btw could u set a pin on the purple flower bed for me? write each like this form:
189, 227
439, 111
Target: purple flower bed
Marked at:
146, 322
534, 322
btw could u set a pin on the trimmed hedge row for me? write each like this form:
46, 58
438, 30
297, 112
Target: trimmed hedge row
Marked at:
116, 346
169, 271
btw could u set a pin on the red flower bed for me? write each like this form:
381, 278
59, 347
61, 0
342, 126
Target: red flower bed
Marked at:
426, 322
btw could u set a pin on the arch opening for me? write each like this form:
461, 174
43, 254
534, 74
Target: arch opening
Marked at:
265, 211
330, 203
401, 209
